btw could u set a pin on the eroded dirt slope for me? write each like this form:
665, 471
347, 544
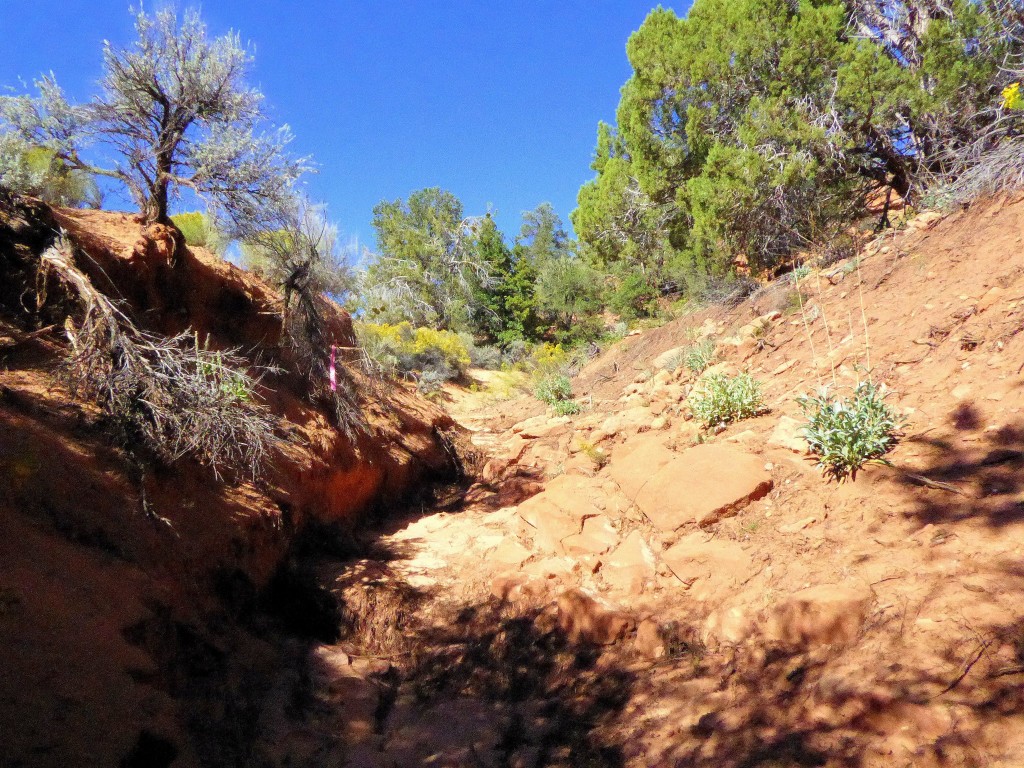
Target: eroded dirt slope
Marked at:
620, 590
142, 604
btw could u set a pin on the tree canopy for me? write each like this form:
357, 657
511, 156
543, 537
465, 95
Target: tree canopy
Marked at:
756, 128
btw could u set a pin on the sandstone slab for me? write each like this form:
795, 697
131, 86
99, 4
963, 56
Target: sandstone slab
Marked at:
708, 568
548, 523
596, 538
641, 459
789, 434
703, 485
510, 554
561, 509
630, 565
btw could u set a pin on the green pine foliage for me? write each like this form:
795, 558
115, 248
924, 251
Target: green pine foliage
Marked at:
755, 128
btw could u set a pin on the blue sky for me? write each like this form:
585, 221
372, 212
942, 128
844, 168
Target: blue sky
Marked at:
497, 102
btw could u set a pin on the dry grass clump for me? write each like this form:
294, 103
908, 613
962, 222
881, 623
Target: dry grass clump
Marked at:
999, 169
302, 260
168, 395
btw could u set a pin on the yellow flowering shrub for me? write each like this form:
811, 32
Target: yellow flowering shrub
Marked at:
402, 349
549, 358
1012, 97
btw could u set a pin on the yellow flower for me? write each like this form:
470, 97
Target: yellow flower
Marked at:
1012, 97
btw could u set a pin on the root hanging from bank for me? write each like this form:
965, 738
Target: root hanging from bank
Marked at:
168, 395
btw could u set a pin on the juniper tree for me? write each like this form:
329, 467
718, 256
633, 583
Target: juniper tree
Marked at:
427, 269
175, 109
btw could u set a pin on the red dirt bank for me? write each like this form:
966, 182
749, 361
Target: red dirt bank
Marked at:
122, 595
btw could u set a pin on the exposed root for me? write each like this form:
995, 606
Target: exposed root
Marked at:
169, 394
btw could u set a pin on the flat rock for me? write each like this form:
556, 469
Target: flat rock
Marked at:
510, 553
561, 509
512, 452
630, 565
707, 567
702, 485
596, 538
548, 523
789, 434
638, 461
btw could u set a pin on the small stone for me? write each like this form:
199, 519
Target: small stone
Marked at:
961, 392
789, 434
584, 619
650, 640
799, 525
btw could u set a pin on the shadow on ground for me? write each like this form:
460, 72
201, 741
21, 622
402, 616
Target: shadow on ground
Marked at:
970, 476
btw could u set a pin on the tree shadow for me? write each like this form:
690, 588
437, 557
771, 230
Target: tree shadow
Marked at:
969, 476
544, 699
768, 706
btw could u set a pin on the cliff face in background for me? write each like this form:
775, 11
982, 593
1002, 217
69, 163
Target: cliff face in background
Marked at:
135, 597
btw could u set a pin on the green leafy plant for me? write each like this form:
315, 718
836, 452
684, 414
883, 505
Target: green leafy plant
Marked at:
553, 388
724, 399
847, 433
567, 407
200, 230
799, 273
226, 380
700, 356
556, 390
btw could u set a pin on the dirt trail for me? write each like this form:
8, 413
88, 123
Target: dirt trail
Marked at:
617, 591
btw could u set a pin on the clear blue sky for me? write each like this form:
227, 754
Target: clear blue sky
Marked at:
496, 101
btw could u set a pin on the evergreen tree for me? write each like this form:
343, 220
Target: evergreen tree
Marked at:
757, 127
427, 269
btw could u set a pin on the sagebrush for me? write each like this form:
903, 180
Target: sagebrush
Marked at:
847, 433
170, 396
724, 399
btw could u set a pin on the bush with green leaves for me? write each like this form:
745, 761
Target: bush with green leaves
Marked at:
485, 356
725, 399
846, 433
698, 357
200, 231
26, 169
555, 389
